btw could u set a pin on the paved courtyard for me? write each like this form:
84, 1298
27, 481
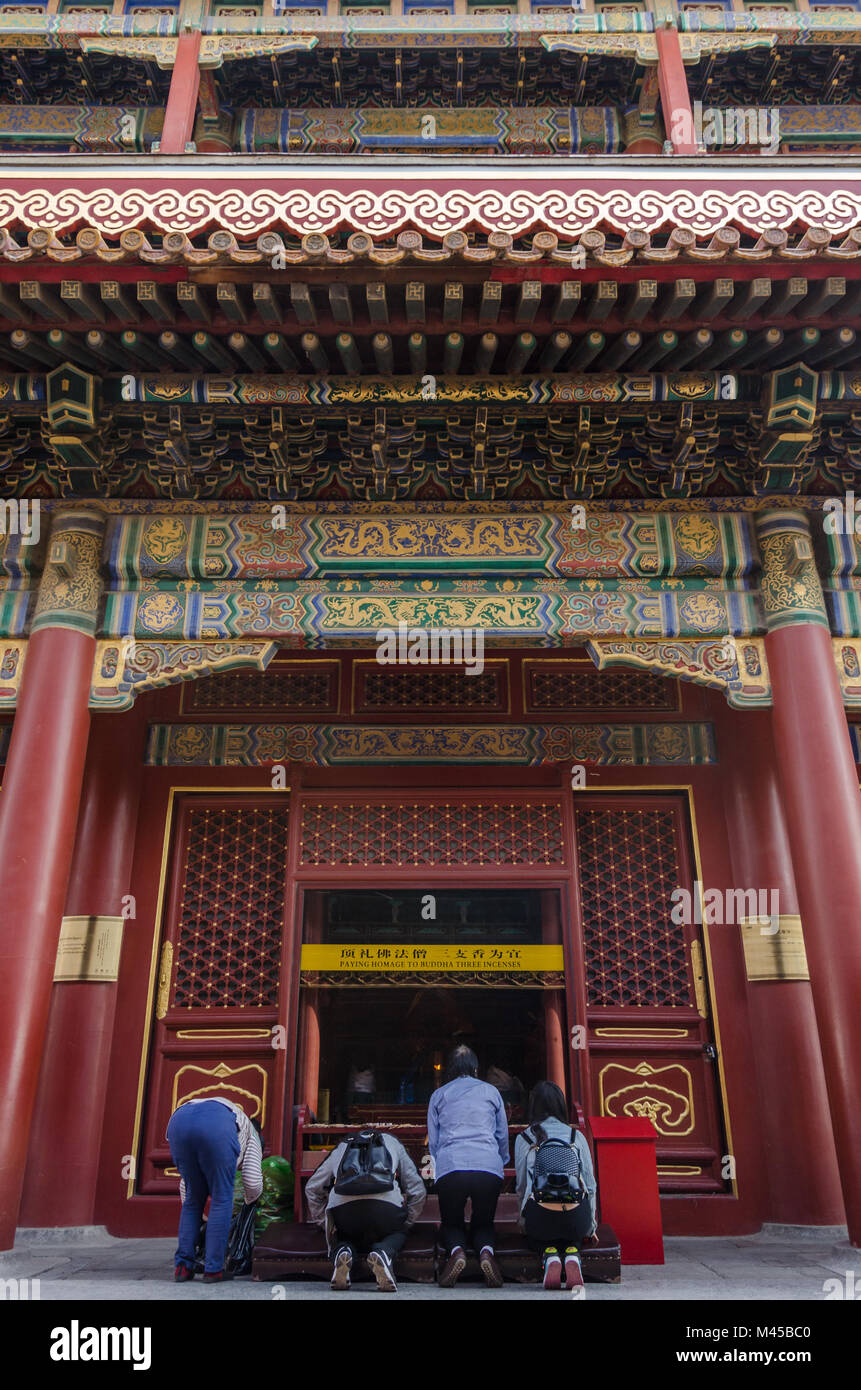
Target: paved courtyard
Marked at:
787, 1263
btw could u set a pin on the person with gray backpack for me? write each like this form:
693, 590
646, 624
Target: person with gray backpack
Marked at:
367, 1194
556, 1186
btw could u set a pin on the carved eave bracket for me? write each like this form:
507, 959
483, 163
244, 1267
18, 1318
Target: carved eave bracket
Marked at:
124, 669
643, 48
214, 49
736, 666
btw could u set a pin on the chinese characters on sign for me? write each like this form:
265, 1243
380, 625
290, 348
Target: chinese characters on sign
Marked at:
432, 957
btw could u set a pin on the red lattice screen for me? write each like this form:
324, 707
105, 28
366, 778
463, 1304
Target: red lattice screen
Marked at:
231, 908
414, 834
304, 687
396, 689
574, 687
629, 865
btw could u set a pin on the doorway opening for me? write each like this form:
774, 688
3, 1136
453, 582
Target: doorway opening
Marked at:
404, 976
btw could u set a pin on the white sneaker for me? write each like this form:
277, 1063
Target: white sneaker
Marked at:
341, 1273
381, 1267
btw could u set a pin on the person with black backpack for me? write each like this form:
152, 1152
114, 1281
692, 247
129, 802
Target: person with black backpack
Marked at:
556, 1186
367, 1194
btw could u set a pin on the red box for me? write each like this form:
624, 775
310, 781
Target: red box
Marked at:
627, 1176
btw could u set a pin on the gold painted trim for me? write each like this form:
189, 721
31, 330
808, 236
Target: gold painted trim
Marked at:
158, 931
678, 1170
641, 1032
222, 1072
165, 975
89, 949
699, 982
224, 1033
648, 1077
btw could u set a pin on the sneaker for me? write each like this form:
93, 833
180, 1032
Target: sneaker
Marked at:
552, 1270
573, 1269
381, 1267
341, 1273
490, 1269
454, 1267
182, 1273
220, 1278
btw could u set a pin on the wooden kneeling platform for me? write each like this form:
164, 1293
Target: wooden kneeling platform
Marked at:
288, 1250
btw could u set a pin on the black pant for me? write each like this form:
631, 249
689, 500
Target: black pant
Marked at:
560, 1228
453, 1190
369, 1224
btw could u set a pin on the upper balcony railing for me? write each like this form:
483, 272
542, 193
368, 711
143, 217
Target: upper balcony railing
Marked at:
425, 78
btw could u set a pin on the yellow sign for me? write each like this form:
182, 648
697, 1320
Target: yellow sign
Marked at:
774, 955
89, 948
394, 957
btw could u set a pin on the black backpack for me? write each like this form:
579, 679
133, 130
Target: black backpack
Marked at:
366, 1166
556, 1175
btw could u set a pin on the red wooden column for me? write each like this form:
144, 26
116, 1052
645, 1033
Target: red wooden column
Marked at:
793, 1100
554, 999
182, 98
62, 1169
308, 1070
823, 811
38, 810
675, 97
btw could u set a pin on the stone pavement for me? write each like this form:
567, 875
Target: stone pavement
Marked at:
786, 1263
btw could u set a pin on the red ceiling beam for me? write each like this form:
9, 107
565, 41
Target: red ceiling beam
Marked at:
182, 99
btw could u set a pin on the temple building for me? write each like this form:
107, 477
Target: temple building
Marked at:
430, 584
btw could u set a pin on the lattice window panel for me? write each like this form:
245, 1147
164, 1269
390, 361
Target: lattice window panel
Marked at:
300, 688
396, 688
228, 951
452, 833
629, 866
579, 688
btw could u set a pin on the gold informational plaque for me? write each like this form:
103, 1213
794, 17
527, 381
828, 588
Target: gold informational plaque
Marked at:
89, 948
777, 955
454, 958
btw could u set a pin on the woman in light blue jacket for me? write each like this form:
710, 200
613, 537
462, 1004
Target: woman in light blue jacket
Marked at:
468, 1138
550, 1225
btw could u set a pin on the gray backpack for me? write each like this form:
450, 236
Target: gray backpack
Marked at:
557, 1177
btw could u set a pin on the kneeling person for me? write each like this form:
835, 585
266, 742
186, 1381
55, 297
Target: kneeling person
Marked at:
367, 1194
556, 1186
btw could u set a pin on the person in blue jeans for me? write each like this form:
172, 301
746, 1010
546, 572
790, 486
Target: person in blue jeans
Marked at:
209, 1140
468, 1138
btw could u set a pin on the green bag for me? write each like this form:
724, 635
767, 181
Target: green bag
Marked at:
276, 1201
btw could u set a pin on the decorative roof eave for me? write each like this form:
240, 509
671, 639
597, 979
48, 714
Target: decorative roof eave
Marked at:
212, 52
249, 197
643, 48
433, 31
220, 247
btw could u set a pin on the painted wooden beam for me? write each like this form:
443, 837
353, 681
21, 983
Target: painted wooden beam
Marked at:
675, 98
182, 98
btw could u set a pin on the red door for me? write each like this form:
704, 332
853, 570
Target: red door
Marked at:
652, 1052
220, 979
